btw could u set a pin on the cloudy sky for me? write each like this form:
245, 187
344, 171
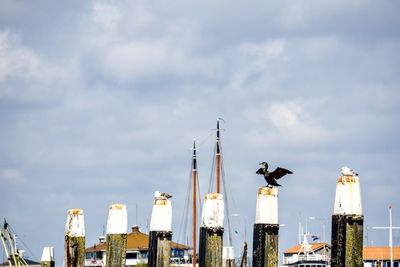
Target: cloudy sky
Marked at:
100, 101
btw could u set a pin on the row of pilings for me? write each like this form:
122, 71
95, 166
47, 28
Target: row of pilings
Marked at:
347, 231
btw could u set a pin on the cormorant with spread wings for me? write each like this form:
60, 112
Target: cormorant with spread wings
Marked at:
271, 177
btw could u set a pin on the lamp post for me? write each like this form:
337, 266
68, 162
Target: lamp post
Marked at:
390, 228
323, 230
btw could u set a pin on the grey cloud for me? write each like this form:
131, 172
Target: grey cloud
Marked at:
100, 101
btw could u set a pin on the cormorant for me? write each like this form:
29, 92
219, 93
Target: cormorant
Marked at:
271, 177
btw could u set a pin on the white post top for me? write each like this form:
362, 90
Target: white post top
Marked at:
48, 254
161, 216
228, 253
75, 226
267, 205
117, 222
348, 196
213, 211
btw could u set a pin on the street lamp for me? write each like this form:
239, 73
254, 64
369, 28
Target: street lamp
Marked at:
323, 225
323, 229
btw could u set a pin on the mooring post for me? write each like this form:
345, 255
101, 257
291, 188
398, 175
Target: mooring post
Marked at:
211, 231
228, 257
266, 228
160, 233
74, 245
117, 225
47, 257
347, 223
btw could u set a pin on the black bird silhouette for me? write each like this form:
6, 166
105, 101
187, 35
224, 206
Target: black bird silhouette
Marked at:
271, 177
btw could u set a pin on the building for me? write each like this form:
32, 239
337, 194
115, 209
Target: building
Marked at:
307, 255
136, 252
380, 256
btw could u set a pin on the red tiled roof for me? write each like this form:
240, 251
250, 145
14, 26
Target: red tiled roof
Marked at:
314, 247
381, 253
136, 240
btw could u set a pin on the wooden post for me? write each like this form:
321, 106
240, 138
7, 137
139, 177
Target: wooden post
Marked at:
211, 231
266, 229
74, 246
228, 257
243, 260
347, 224
160, 233
47, 257
117, 225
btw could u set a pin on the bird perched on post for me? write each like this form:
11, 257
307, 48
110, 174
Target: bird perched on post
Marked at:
346, 171
271, 177
161, 195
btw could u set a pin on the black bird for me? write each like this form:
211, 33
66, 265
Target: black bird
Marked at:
271, 177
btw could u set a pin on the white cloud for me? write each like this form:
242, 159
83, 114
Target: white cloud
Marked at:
24, 74
12, 177
287, 122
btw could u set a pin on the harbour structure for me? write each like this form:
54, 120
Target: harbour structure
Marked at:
117, 224
212, 217
13, 255
381, 256
347, 222
211, 231
47, 257
266, 228
160, 232
194, 176
307, 254
137, 248
390, 228
74, 240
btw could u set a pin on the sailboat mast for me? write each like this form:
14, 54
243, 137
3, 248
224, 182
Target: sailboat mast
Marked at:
194, 174
218, 159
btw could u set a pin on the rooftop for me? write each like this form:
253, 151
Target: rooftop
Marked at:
382, 253
136, 240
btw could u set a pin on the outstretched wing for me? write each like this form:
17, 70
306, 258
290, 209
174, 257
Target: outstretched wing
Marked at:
261, 171
279, 173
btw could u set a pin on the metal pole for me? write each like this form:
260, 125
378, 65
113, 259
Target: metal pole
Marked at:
194, 173
390, 236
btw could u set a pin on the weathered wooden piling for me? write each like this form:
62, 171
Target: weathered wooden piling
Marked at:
266, 228
347, 224
211, 231
74, 245
47, 257
160, 232
228, 257
117, 225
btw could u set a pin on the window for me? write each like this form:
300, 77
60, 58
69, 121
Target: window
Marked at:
89, 255
99, 255
132, 255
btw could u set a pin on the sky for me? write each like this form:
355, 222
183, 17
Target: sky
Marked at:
100, 102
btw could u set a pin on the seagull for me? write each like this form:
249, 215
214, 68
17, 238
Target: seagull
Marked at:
271, 177
161, 195
346, 171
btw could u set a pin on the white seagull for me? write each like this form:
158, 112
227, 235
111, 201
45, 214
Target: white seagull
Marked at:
346, 171
161, 195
